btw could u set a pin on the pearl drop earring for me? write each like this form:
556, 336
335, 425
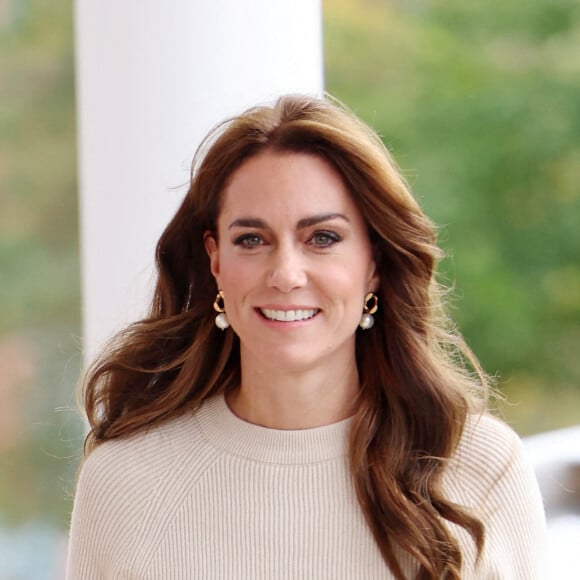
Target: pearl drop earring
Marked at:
371, 305
221, 320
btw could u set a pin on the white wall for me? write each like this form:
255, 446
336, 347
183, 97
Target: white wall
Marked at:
152, 78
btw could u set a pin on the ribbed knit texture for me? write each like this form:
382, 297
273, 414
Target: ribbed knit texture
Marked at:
209, 496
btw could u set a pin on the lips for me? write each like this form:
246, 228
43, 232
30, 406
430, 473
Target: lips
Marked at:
289, 315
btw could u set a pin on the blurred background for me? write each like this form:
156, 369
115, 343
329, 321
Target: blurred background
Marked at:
479, 104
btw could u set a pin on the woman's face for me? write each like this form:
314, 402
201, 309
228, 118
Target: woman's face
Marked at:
294, 261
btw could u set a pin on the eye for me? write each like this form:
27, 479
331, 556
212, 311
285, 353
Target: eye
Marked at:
248, 241
324, 239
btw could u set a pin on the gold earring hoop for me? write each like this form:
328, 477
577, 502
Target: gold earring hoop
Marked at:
221, 320
370, 306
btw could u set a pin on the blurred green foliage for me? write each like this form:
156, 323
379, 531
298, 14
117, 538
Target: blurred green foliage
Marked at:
40, 430
478, 103
38, 201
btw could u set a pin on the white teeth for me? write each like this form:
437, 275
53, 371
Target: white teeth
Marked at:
288, 315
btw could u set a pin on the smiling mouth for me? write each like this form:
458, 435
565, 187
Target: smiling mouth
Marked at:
289, 315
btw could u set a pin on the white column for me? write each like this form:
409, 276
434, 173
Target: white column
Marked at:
152, 79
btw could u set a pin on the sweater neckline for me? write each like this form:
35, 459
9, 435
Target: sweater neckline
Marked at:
227, 432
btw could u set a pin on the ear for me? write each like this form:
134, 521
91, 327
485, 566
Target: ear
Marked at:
211, 247
373, 278
373, 284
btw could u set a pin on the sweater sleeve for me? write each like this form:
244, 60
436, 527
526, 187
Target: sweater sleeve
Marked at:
127, 492
87, 533
102, 518
516, 528
496, 480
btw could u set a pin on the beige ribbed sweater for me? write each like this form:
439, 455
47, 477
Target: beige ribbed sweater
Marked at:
210, 496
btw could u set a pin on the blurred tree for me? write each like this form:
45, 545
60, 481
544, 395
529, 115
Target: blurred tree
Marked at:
39, 271
479, 103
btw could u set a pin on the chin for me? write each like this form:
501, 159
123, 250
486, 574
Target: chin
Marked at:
285, 358
292, 361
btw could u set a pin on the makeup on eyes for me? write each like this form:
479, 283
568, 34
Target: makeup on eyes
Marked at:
258, 223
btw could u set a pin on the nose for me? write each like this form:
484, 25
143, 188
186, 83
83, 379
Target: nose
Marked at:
286, 270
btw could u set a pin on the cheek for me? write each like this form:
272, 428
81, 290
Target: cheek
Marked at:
347, 283
236, 276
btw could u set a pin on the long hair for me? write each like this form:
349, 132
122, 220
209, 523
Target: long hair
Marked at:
418, 379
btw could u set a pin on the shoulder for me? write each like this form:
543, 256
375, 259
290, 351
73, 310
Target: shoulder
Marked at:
490, 475
490, 469
121, 487
487, 447
138, 463
142, 455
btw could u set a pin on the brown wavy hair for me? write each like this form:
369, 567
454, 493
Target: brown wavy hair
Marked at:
418, 379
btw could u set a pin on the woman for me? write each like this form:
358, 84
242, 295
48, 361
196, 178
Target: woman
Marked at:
297, 404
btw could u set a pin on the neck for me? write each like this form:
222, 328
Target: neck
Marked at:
299, 399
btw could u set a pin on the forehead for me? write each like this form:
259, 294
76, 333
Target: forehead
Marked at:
287, 184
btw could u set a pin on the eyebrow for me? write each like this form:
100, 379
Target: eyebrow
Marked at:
306, 222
